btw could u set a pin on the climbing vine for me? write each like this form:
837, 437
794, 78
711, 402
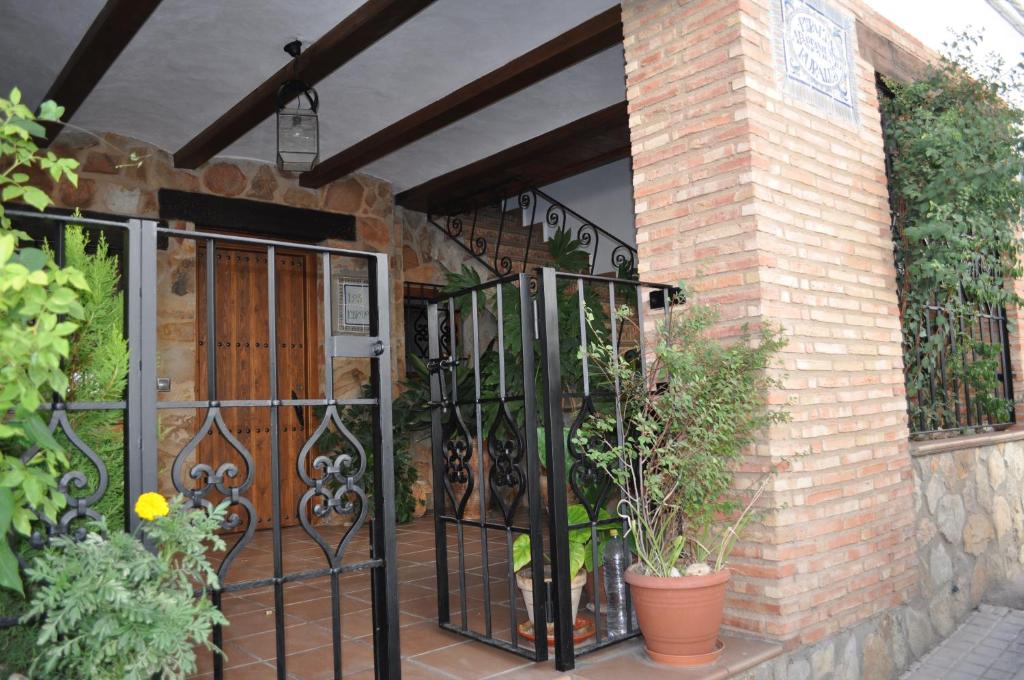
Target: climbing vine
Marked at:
956, 146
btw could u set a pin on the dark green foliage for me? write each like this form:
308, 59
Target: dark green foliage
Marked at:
957, 149
97, 368
409, 417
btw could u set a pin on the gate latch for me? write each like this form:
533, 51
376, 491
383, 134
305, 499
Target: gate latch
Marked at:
437, 365
443, 404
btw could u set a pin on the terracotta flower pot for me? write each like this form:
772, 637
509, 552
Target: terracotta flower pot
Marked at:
679, 617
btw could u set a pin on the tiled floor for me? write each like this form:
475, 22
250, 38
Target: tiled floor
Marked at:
427, 651
988, 646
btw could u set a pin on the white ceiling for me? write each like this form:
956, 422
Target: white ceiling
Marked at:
194, 59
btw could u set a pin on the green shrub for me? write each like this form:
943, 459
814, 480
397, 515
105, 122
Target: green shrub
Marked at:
688, 419
957, 147
114, 610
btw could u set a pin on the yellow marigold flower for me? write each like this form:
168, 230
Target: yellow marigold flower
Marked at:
151, 505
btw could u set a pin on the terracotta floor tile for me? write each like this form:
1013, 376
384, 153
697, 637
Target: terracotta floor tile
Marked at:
427, 636
428, 651
318, 663
471, 661
255, 622
300, 638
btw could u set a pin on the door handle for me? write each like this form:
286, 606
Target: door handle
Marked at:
298, 412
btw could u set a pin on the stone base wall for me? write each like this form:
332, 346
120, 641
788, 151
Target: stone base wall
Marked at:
427, 256
969, 540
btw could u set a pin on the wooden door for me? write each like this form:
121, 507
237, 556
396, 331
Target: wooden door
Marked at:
243, 365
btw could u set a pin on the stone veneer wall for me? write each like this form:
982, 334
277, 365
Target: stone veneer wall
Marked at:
427, 255
112, 182
969, 541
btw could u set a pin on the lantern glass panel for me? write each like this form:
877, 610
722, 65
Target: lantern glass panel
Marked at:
298, 146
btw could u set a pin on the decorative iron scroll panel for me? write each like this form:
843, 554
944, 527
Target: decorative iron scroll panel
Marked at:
510, 236
520, 373
243, 469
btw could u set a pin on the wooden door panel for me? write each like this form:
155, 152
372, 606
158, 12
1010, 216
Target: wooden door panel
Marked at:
243, 367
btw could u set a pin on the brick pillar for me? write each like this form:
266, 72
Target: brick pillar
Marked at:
776, 210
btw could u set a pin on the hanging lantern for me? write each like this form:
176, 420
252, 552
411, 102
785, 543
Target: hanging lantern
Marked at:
298, 130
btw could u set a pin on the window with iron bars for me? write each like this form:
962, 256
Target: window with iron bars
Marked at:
948, 404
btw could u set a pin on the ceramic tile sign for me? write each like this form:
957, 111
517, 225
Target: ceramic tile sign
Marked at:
814, 55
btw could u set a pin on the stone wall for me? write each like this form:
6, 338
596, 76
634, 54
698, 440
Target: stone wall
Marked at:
121, 176
969, 544
427, 256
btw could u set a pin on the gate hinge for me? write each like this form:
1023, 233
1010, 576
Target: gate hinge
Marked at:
549, 600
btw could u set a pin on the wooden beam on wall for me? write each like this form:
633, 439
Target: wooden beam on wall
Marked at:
255, 217
584, 144
108, 35
358, 31
888, 58
585, 40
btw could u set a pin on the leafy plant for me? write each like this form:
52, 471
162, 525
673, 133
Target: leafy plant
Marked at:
113, 609
37, 299
688, 418
581, 556
956, 144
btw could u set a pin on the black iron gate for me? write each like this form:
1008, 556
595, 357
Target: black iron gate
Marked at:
485, 402
519, 374
332, 504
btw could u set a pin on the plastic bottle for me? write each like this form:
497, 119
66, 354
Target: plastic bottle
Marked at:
616, 561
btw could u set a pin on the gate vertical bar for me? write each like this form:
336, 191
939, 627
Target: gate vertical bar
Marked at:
557, 502
482, 444
325, 265
529, 334
384, 578
437, 397
275, 462
211, 396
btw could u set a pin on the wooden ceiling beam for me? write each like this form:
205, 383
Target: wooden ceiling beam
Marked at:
356, 32
108, 35
584, 144
585, 40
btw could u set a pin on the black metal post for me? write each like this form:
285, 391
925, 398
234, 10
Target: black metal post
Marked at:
437, 463
275, 462
532, 465
384, 578
557, 503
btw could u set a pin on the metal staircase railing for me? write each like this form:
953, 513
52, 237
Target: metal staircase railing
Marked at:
509, 238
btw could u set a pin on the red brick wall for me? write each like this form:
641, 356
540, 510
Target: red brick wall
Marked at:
778, 212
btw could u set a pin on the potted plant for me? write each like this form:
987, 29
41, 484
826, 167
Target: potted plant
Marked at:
580, 564
689, 417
